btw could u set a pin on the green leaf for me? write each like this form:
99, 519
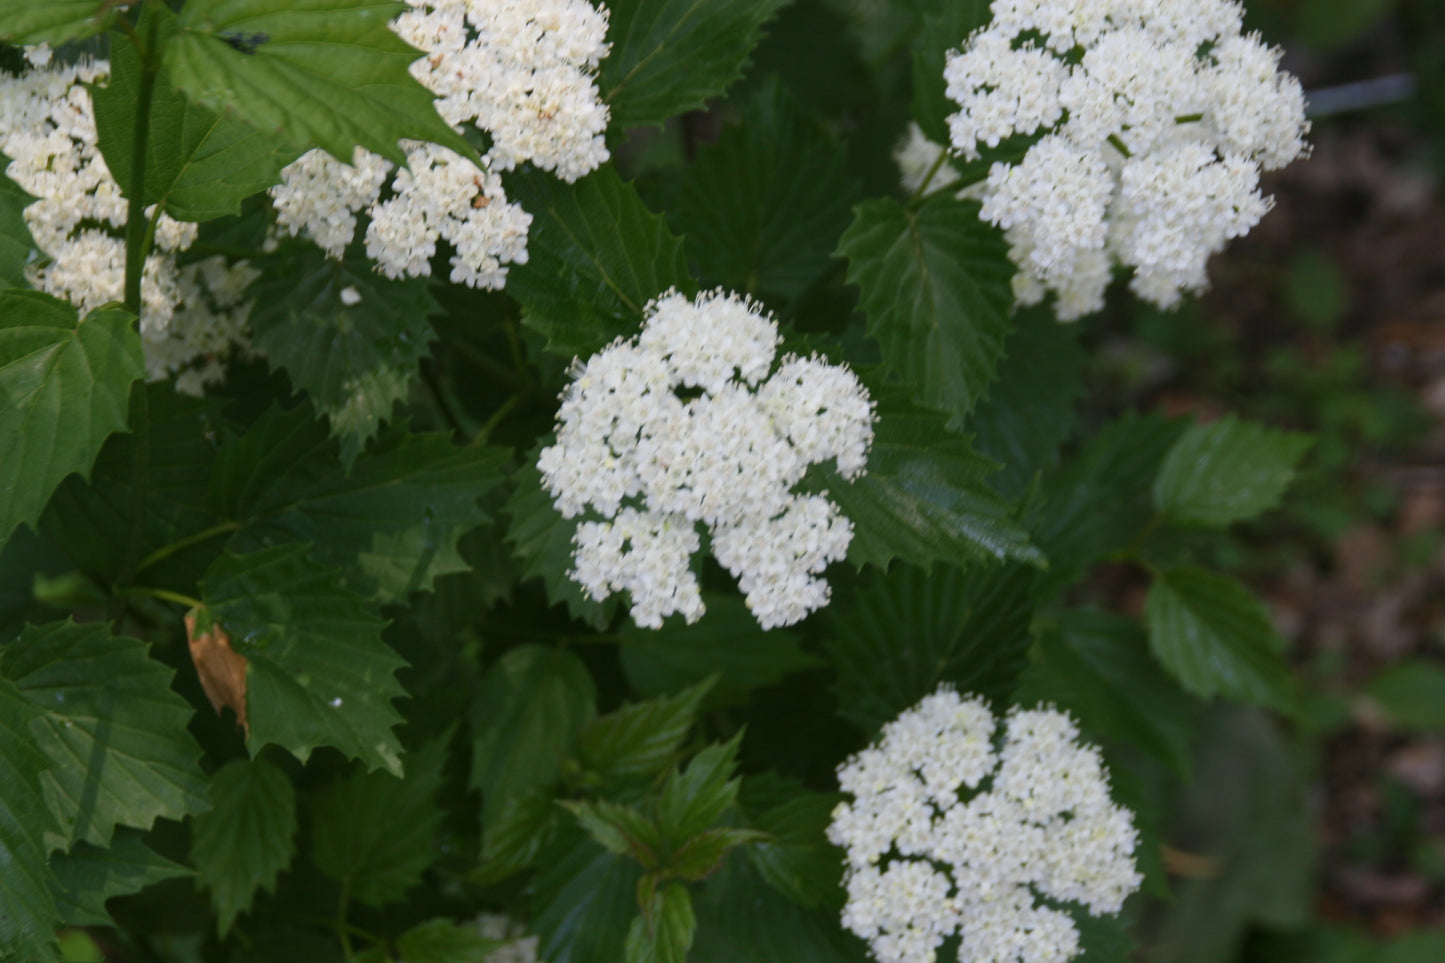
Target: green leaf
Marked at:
584, 899
701, 855
87, 877
796, 858
639, 740
738, 919
113, 727
670, 56
694, 796
1097, 665
941, 33
663, 932
28, 911
936, 286
924, 497
1412, 693
619, 829
911, 629
516, 836
357, 360
1227, 471
1029, 411
247, 837
595, 257
763, 206
17, 245
1099, 501
397, 514
542, 540
95, 522
443, 941
728, 645
64, 385
1102, 939
199, 164
1215, 637
532, 703
376, 833
324, 72
53, 21
1244, 809
318, 672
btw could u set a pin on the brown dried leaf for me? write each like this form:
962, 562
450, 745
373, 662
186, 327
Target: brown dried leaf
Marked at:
222, 670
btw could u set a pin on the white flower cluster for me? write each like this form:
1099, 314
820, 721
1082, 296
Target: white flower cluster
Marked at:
926, 862
519, 948
191, 316
1156, 120
522, 72
655, 465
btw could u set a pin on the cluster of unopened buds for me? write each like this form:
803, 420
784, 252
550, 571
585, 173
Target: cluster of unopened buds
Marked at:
655, 464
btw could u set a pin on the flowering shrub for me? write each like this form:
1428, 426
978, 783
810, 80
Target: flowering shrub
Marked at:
477, 475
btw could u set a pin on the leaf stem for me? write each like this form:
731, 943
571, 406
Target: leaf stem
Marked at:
938, 163
433, 385
963, 182
137, 231
343, 928
140, 462
496, 418
165, 595
180, 545
326, 923
519, 361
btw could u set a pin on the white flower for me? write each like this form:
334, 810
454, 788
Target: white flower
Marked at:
1157, 119
518, 948
320, 196
209, 325
524, 73
726, 455
930, 856
191, 317
443, 195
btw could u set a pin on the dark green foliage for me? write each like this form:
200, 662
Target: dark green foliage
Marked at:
355, 361
246, 838
967, 627
88, 877
595, 257
669, 56
16, 243
114, 728
64, 382
762, 208
1098, 666
1216, 637
375, 833
925, 497
318, 672
935, 285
